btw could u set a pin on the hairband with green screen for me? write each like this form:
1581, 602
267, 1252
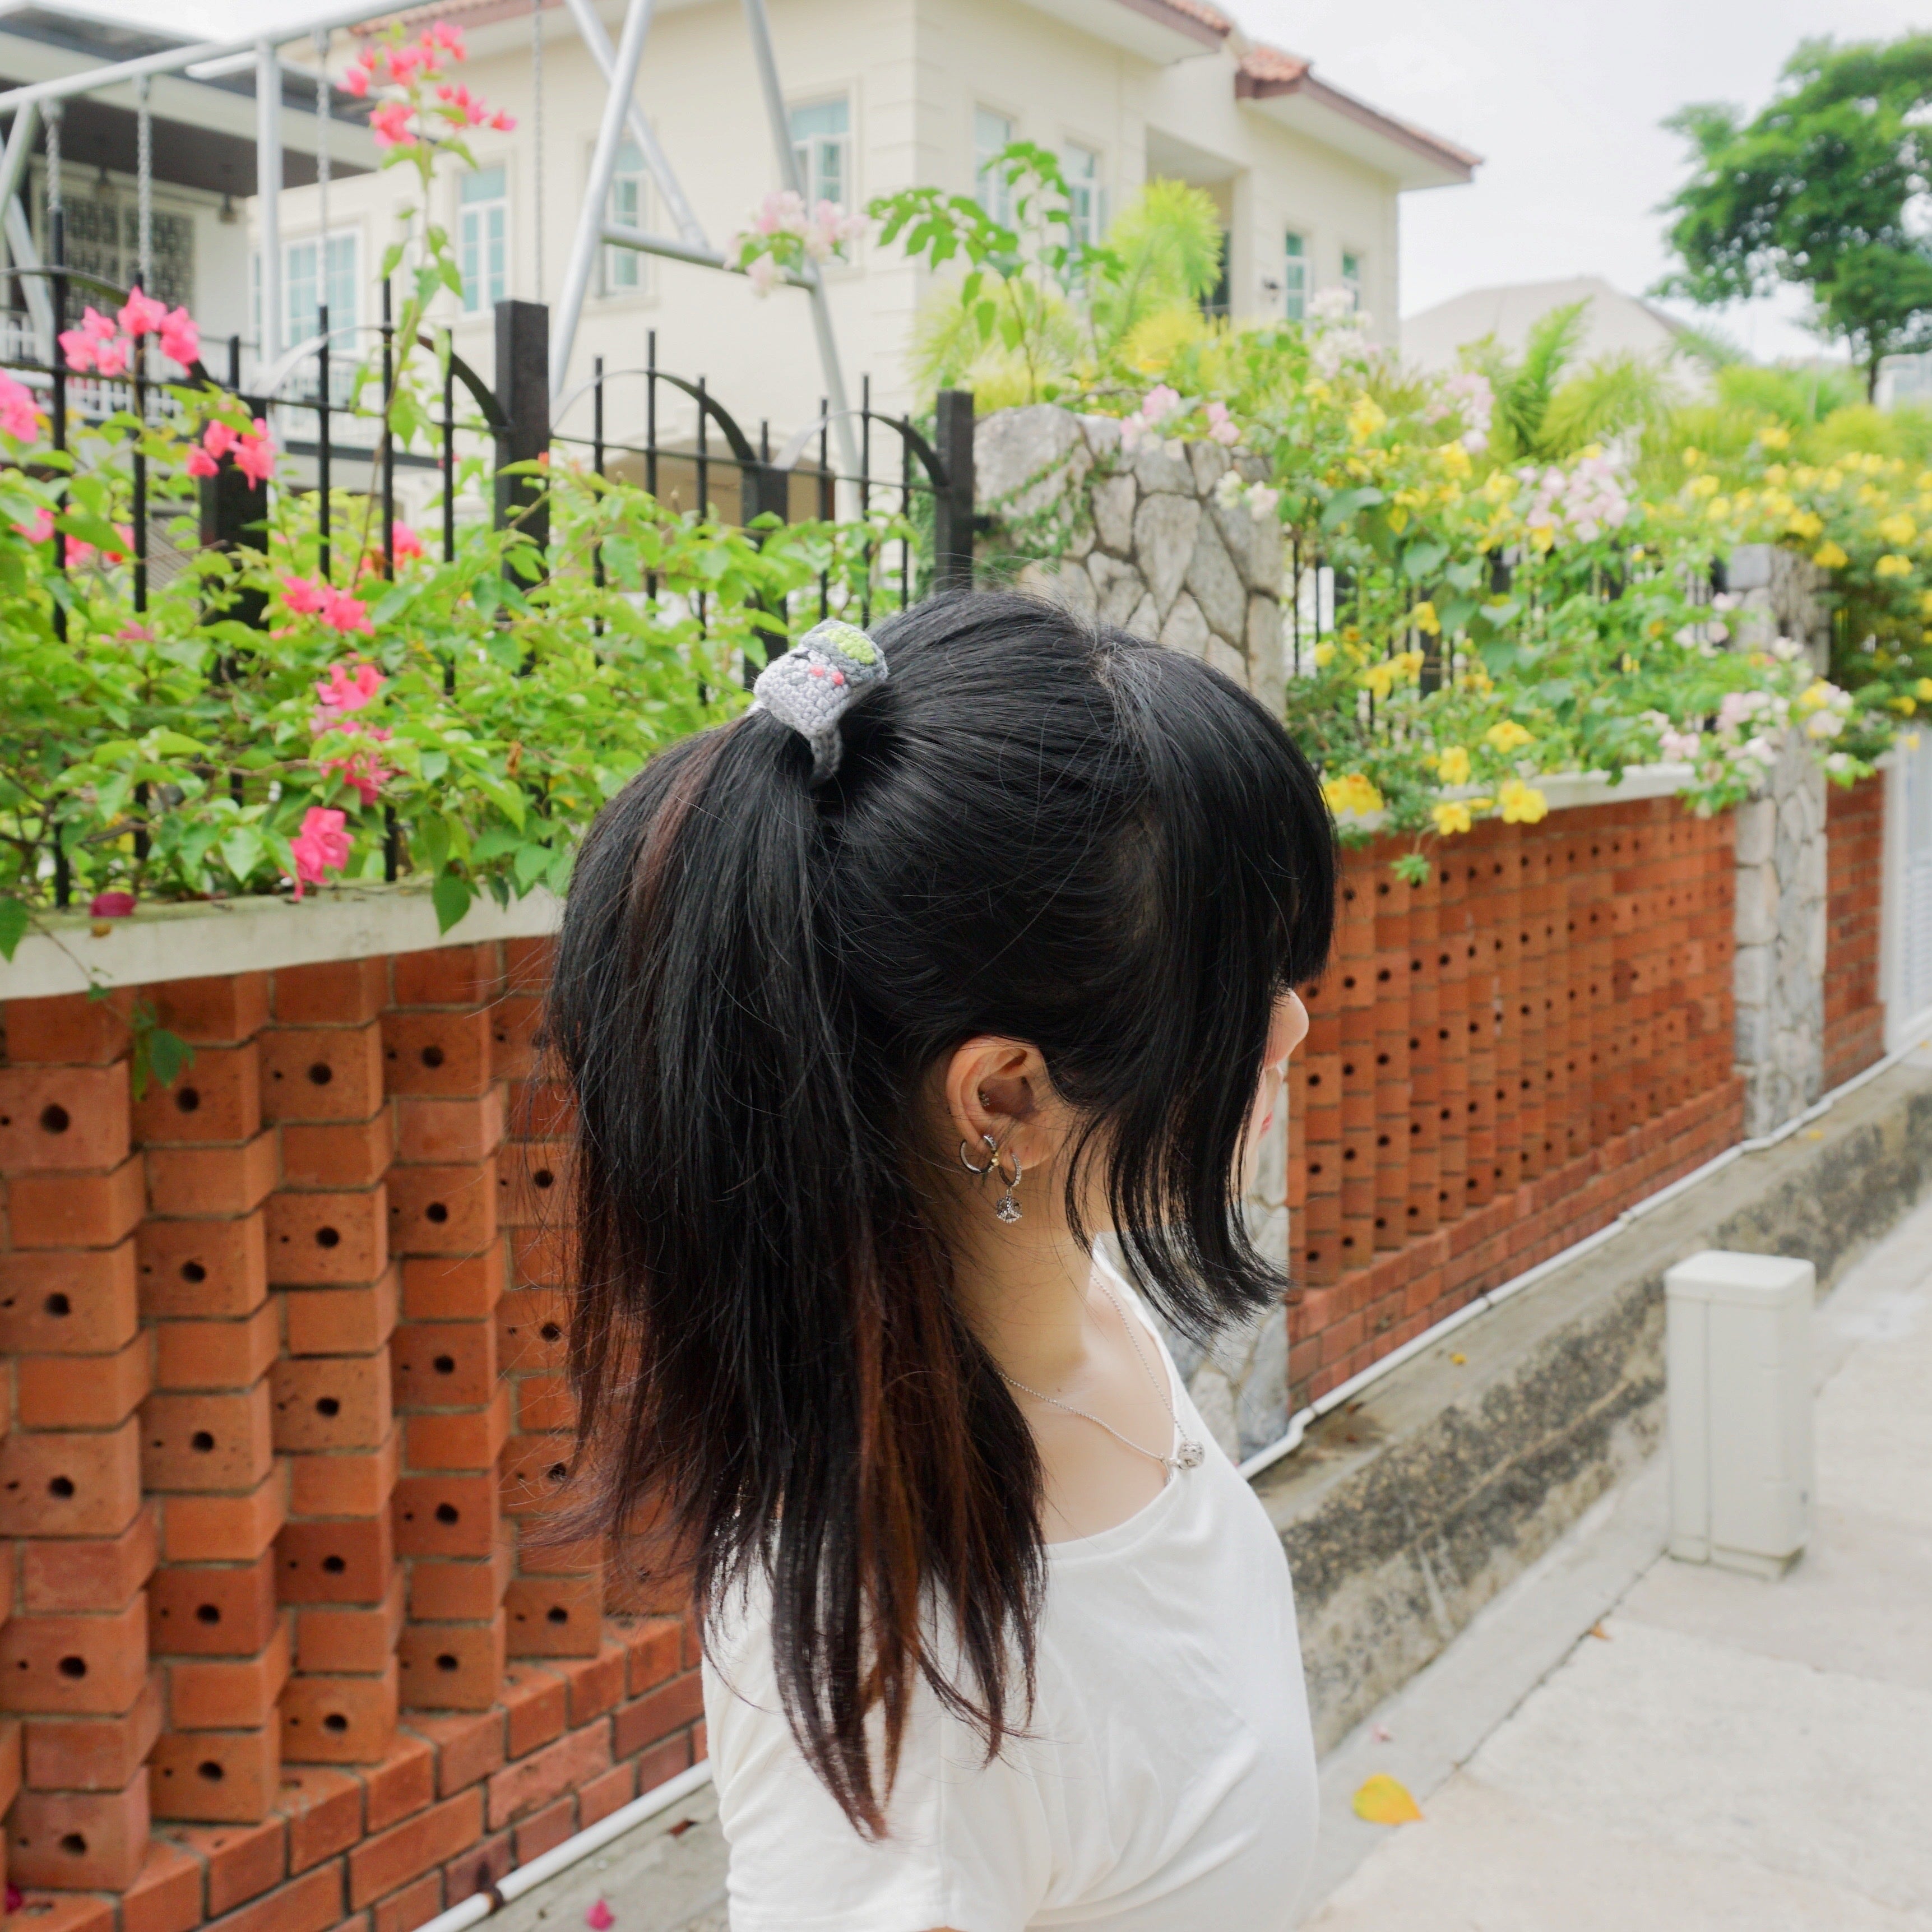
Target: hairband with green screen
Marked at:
812, 686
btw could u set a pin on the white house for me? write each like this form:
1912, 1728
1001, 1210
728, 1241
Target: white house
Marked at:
1614, 323
897, 93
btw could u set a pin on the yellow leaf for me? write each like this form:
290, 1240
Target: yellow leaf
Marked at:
1459, 1360
1384, 1800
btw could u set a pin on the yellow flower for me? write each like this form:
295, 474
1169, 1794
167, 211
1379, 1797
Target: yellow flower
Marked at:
1692, 457
1453, 764
1455, 458
1814, 696
1828, 557
1925, 689
1897, 529
1506, 736
1424, 618
1705, 485
1451, 815
1542, 536
1399, 518
1775, 436
1378, 678
1499, 486
1806, 523
1353, 792
1718, 509
1521, 804
1891, 565
1365, 418
1774, 473
1324, 655
1907, 706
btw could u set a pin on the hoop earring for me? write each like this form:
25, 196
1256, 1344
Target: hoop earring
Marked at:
1007, 1207
992, 1156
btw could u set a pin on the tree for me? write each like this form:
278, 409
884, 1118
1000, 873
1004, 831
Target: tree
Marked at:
1816, 191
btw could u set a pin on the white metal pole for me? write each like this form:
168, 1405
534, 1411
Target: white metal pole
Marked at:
13, 160
589, 236
821, 309
591, 30
269, 195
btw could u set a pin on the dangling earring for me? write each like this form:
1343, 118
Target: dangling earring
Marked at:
1007, 1207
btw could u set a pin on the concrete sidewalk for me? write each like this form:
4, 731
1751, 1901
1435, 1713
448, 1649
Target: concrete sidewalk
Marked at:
1716, 1752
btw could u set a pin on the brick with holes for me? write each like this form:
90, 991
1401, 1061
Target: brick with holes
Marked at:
201, 1267
230, 1777
443, 1364
55, 1118
452, 1667
555, 1616
535, 1177
339, 1720
76, 1301
442, 1210
85, 1665
445, 1515
323, 1239
76, 1484
321, 1073
536, 1469
74, 1841
532, 1329
206, 1441
444, 1054
218, 1098
352, 1561
207, 1609
331, 1402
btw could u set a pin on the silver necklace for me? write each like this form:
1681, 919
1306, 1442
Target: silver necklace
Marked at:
1187, 1454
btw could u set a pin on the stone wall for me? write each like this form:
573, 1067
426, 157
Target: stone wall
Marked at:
1142, 539
1779, 981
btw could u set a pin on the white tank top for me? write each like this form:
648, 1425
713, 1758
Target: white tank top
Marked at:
1167, 1784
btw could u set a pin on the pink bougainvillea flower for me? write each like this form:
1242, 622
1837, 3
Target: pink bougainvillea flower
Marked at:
79, 554
356, 81
135, 634
181, 337
303, 595
347, 689
363, 772
347, 614
218, 439
255, 453
111, 905
18, 416
321, 846
447, 36
600, 1917
200, 463
503, 123
404, 541
141, 314
40, 529
110, 358
93, 323
403, 62
78, 346
390, 124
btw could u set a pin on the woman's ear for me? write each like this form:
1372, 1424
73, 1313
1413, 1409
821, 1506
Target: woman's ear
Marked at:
998, 1087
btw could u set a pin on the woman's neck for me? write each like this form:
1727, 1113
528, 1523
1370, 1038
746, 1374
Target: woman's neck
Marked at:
1024, 1287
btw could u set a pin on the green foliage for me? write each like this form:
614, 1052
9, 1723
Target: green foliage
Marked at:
1819, 189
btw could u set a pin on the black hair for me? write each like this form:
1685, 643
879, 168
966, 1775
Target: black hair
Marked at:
1039, 830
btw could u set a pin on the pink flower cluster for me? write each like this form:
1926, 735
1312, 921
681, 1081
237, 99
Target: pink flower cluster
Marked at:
1221, 428
18, 416
321, 846
1156, 405
1477, 402
343, 692
253, 451
784, 228
412, 64
79, 555
1589, 498
310, 597
104, 345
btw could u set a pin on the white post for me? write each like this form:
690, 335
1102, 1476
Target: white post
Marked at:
268, 196
1737, 1380
590, 217
788, 159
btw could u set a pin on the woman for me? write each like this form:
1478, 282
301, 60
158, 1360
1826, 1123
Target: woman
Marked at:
881, 1004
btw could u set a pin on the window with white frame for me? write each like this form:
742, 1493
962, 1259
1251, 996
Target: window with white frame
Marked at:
821, 140
625, 207
990, 133
309, 281
1351, 278
1086, 194
1294, 278
483, 237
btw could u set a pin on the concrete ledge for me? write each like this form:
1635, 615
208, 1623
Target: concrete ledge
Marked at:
1404, 1513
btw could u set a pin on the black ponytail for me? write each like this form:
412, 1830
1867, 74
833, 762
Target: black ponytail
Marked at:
1039, 831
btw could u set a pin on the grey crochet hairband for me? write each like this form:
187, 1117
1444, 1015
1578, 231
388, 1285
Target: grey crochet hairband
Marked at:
813, 685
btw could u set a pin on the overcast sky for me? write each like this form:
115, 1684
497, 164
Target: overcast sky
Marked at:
1562, 97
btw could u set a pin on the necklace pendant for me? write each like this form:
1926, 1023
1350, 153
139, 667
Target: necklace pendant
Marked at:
1190, 1455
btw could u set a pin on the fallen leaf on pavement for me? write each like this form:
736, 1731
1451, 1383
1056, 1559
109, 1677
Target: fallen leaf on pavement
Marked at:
1459, 1360
600, 1917
1384, 1800
1597, 1630
1380, 1733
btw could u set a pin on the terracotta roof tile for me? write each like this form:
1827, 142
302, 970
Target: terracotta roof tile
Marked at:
1273, 65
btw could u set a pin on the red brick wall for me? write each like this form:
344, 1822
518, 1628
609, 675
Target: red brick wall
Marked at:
1855, 886
1500, 1061
280, 1344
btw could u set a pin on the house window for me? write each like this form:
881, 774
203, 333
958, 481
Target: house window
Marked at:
992, 132
1086, 198
483, 237
1294, 279
624, 208
1351, 279
307, 283
821, 139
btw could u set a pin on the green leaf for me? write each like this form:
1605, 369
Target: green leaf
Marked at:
451, 896
15, 919
1345, 503
1422, 559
